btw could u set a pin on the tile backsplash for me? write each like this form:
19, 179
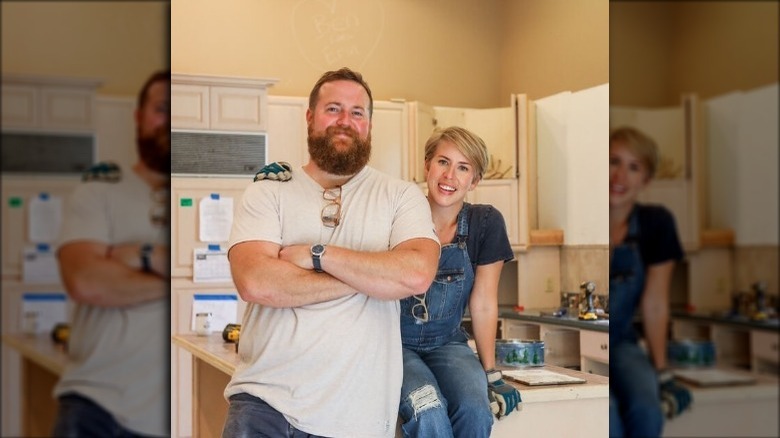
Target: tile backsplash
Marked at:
585, 263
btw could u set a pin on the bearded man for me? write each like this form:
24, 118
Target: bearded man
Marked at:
322, 260
114, 260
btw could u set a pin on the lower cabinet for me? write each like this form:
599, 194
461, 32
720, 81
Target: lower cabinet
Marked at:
569, 347
738, 346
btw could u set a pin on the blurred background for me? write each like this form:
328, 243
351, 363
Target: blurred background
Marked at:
71, 72
701, 78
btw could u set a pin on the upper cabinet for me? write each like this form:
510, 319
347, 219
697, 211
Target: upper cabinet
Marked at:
572, 165
36, 103
680, 178
742, 156
219, 103
504, 133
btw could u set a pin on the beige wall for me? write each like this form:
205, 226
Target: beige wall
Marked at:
120, 43
661, 50
443, 52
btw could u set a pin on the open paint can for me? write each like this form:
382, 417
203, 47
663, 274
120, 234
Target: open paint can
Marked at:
519, 353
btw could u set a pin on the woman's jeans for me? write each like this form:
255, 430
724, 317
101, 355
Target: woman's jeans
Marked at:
634, 400
444, 394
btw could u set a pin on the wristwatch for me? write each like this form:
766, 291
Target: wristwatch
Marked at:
146, 257
317, 251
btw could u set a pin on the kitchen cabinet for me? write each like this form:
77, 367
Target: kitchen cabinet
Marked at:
48, 104
679, 183
287, 130
582, 404
594, 349
186, 197
564, 345
17, 192
764, 352
219, 103
749, 345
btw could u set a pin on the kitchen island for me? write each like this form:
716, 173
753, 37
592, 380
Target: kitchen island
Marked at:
584, 406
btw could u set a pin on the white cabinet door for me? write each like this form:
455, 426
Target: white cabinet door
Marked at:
20, 108
238, 109
389, 139
501, 194
190, 106
186, 194
287, 130
594, 349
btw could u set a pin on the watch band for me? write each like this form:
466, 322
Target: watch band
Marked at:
317, 252
146, 257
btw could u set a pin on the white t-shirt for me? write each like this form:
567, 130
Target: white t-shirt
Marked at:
119, 357
333, 368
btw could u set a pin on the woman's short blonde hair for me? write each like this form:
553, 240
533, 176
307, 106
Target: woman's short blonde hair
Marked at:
639, 144
468, 143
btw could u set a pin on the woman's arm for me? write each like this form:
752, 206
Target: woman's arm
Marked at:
655, 310
483, 307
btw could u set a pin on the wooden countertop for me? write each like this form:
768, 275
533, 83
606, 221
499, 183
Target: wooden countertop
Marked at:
39, 349
221, 355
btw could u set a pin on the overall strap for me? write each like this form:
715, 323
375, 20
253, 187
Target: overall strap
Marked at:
463, 224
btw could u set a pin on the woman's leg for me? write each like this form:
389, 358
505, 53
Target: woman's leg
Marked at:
423, 410
633, 381
463, 383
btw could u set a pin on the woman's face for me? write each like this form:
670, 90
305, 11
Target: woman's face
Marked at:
628, 175
449, 175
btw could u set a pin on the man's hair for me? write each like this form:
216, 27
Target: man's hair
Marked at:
469, 144
639, 144
343, 74
161, 75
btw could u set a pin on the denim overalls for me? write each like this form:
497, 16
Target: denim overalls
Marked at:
440, 369
446, 298
634, 403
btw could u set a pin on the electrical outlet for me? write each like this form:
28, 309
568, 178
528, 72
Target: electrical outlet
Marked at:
548, 288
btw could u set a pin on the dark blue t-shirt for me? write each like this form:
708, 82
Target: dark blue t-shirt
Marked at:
658, 239
487, 242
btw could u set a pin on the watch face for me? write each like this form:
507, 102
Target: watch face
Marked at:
317, 249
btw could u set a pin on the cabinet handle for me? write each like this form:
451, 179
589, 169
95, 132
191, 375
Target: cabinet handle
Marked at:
604, 346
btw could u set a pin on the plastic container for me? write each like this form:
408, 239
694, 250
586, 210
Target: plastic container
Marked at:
519, 353
689, 353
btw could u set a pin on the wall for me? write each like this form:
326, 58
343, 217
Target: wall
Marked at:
670, 48
457, 53
118, 42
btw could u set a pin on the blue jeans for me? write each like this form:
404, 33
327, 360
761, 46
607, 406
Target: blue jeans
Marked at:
444, 394
249, 416
80, 417
634, 400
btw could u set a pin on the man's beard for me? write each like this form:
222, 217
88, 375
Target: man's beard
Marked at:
155, 150
328, 158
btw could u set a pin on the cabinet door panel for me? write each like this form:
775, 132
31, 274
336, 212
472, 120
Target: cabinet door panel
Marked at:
185, 197
189, 106
237, 109
594, 345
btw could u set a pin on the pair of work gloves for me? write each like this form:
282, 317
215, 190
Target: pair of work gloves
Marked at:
504, 398
675, 398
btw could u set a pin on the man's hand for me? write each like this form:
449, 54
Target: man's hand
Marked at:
298, 255
675, 398
504, 398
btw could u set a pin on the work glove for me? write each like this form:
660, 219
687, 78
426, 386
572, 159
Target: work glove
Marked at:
276, 171
504, 398
675, 398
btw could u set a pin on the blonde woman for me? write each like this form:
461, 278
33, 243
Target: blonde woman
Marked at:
446, 390
644, 248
